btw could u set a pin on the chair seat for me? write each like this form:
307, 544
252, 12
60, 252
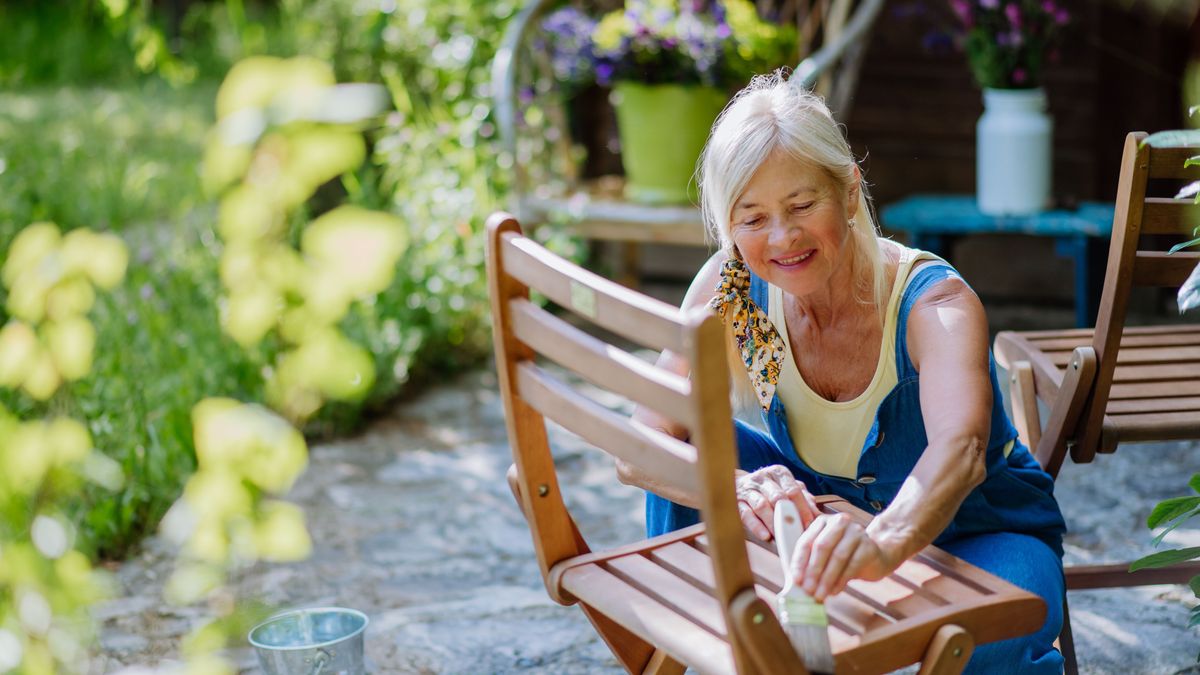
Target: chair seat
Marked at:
1155, 393
662, 589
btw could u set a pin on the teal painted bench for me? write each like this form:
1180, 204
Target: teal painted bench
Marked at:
931, 222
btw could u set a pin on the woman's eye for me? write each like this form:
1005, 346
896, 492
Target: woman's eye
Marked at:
802, 207
753, 222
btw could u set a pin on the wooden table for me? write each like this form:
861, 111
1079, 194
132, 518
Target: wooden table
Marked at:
932, 221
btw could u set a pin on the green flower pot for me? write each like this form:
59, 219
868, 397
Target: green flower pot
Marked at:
663, 128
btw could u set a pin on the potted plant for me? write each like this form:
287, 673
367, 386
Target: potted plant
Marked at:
1008, 43
671, 65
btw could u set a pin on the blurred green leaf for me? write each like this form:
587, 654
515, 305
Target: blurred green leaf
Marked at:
1165, 558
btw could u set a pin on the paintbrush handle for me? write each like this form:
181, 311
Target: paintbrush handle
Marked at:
788, 528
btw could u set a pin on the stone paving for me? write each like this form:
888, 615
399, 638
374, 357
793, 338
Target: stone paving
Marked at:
413, 524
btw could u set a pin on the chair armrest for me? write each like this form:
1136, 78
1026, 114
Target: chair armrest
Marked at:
1066, 409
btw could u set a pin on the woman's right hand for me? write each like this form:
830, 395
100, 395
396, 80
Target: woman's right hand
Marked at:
759, 491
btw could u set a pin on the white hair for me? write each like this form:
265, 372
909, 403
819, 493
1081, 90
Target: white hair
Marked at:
770, 114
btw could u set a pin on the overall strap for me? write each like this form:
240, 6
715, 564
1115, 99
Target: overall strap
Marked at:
924, 277
758, 290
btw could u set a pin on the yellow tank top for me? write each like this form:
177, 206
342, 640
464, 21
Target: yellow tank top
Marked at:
829, 435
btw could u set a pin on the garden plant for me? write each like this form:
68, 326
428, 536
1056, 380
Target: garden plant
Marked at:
176, 365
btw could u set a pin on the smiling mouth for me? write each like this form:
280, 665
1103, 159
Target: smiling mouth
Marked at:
796, 259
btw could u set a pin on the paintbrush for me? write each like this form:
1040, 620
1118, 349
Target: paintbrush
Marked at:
802, 618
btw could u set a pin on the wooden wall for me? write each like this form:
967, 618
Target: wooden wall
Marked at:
914, 116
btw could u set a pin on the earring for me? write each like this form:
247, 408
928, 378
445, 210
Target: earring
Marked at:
852, 223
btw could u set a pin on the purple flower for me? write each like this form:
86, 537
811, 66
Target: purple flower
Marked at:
1061, 17
604, 73
962, 10
1014, 15
723, 30
1019, 76
989, 4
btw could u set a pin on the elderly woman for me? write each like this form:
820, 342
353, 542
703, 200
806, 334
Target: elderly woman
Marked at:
871, 367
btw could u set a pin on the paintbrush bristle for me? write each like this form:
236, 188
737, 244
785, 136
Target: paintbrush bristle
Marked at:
807, 626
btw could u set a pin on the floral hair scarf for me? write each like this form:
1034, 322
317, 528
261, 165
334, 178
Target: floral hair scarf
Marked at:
758, 343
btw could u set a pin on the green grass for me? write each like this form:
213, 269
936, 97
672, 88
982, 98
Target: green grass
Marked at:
104, 158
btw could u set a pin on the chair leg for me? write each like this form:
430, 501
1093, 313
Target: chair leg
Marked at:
634, 653
948, 652
662, 664
1067, 643
1024, 404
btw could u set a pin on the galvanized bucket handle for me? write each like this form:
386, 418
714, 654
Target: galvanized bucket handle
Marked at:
320, 661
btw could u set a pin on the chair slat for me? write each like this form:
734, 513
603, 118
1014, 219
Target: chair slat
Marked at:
1066, 345
649, 619
635, 316
698, 606
685, 561
1141, 355
1151, 405
1159, 426
1157, 268
1037, 336
1168, 163
1157, 373
1154, 390
601, 363
660, 456
849, 615
1163, 215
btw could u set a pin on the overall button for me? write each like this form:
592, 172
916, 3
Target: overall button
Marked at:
879, 439
877, 505
866, 479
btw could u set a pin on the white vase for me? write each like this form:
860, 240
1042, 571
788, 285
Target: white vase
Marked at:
1013, 160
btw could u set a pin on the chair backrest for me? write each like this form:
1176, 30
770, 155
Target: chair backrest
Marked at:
704, 464
1144, 218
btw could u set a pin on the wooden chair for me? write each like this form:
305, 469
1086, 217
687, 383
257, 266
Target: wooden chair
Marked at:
703, 596
1116, 384
833, 34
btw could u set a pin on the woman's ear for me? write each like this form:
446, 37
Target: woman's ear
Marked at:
852, 195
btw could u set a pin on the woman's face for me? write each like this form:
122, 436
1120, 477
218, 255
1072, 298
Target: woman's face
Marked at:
791, 225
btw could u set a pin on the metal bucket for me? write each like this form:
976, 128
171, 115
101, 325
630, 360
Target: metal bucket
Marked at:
322, 640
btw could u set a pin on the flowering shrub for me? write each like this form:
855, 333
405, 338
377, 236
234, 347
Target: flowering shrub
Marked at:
284, 128
718, 43
46, 584
1008, 41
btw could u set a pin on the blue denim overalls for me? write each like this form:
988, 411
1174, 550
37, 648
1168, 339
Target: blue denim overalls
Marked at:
1010, 525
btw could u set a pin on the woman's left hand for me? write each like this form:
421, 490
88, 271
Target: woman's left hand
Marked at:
834, 550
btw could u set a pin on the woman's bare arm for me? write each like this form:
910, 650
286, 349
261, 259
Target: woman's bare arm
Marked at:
948, 343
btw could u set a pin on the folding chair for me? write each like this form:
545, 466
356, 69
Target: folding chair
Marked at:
703, 596
1115, 384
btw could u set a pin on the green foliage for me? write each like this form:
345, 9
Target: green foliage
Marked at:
1170, 514
46, 584
127, 158
1188, 296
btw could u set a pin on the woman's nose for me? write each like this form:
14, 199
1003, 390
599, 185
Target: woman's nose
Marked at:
782, 232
